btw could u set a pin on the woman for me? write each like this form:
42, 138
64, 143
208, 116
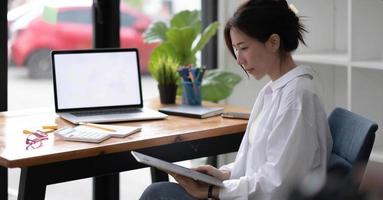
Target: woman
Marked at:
288, 135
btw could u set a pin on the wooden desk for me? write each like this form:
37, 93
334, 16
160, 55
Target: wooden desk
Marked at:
173, 139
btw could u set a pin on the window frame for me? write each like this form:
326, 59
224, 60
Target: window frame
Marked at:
209, 14
3, 56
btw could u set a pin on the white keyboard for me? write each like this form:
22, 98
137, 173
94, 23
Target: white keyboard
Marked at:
82, 134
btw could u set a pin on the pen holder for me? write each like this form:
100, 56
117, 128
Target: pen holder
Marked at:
191, 93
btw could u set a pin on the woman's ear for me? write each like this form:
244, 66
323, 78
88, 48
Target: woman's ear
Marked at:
273, 43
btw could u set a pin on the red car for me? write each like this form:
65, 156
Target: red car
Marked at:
71, 29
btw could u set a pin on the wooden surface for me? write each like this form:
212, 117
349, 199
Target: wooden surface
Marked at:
155, 132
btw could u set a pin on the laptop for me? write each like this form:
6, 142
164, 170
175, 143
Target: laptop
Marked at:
99, 85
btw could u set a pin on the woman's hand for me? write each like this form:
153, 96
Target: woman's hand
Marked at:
196, 189
212, 171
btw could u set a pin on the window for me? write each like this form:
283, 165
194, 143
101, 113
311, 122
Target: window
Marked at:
126, 19
82, 16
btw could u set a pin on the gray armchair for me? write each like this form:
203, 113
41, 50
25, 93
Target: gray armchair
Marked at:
353, 138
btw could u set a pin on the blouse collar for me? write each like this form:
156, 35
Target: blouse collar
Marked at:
298, 71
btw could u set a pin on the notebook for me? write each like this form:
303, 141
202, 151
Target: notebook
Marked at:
192, 111
170, 167
99, 85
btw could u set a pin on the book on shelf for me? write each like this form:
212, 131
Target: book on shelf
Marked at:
192, 111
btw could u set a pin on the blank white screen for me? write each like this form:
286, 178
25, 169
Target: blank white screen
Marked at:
86, 80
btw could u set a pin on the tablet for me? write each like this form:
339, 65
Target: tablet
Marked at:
170, 167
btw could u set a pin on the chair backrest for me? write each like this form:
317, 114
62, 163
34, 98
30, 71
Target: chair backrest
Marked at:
353, 137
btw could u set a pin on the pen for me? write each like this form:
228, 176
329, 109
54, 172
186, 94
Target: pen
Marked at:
97, 126
193, 80
203, 72
198, 74
183, 71
191, 76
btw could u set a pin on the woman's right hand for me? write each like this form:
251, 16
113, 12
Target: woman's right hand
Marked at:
212, 171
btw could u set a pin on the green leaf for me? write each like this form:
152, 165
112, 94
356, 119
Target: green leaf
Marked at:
164, 67
154, 57
187, 18
218, 85
209, 32
182, 40
156, 32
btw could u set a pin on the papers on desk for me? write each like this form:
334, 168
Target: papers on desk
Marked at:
95, 133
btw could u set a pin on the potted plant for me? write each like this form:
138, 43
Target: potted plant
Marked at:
164, 71
181, 40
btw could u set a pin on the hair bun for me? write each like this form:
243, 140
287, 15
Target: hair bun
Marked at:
278, 3
261, 18
293, 8
283, 3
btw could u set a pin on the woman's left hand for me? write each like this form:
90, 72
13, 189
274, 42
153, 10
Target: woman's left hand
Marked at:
196, 189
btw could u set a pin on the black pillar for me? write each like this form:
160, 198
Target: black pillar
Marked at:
106, 34
3, 56
106, 23
209, 53
209, 11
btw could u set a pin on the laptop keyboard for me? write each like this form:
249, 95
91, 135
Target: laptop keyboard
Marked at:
106, 112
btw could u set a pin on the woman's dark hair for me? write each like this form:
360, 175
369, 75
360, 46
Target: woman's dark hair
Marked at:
260, 19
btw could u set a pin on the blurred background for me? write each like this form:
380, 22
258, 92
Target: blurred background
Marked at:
38, 26
35, 27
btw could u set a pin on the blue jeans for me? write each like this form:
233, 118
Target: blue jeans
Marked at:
165, 191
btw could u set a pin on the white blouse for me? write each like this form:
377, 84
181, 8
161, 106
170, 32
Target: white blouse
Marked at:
287, 137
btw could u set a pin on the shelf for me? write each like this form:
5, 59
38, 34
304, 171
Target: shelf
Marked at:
376, 156
366, 29
373, 64
335, 58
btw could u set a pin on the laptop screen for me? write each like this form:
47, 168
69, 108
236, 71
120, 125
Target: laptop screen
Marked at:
100, 78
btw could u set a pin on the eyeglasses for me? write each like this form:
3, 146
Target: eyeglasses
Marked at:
35, 139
